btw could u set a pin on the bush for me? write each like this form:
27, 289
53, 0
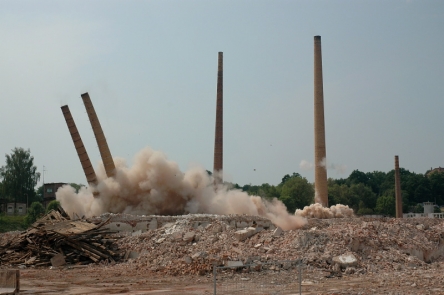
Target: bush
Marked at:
35, 211
386, 205
365, 211
53, 205
11, 222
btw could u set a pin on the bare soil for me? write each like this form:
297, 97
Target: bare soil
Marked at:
120, 279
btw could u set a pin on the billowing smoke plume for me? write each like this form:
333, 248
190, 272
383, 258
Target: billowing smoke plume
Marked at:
317, 211
155, 185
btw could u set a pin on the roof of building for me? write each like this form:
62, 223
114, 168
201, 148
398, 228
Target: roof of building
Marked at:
435, 170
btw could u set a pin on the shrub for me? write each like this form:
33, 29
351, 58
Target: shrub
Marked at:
35, 211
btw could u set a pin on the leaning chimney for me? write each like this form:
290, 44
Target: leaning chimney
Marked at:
105, 153
218, 142
398, 189
80, 148
321, 193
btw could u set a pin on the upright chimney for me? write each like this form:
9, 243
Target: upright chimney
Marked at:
218, 142
105, 153
80, 148
321, 193
398, 189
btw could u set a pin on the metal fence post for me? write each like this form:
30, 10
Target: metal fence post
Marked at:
214, 278
300, 276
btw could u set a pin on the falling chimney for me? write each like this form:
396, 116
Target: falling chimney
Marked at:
218, 142
105, 153
80, 148
321, 193
398, 189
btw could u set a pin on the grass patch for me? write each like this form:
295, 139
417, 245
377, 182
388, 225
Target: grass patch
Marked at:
12, 223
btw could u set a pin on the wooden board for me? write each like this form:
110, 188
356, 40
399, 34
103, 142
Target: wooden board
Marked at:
70, 227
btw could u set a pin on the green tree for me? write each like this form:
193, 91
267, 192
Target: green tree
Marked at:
19, 176
36, 210
287, 177
341, 194
39, 194
436, 181
53, 205
363, 210
268, 191
362, 193
297, 192
375, 180
386, 205
358, 177
76, 186
418, 208
252, 190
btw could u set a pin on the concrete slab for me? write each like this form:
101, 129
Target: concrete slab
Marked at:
234, 263
137, 233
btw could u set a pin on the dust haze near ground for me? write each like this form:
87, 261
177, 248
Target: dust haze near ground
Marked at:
155, 185
317, 211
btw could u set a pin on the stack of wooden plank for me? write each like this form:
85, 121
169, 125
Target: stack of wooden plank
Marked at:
56, 240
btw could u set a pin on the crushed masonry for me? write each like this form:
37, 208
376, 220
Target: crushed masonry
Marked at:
192, 244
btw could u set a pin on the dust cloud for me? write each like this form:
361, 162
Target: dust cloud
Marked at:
155, 185
317, 211
339, 168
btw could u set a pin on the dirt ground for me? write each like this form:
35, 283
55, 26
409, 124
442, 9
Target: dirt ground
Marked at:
120, 279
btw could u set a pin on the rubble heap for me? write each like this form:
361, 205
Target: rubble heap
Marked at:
56, 239
192, 244
351, 245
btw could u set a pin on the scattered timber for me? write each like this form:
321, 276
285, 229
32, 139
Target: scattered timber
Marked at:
57, 240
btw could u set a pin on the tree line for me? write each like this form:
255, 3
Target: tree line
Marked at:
366, 193
18, 180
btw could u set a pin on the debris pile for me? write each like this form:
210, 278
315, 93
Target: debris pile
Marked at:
192, 244
335, 246
56, 240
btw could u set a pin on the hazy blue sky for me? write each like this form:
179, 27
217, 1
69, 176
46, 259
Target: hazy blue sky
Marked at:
150, 69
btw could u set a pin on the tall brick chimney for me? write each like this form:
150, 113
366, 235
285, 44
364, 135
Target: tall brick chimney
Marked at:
218, 141
105, 153
80, 148
319, 128
398, 189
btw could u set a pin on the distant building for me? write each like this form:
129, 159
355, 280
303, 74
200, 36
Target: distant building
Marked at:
429, 209
49, 192
19, 209
434, 170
